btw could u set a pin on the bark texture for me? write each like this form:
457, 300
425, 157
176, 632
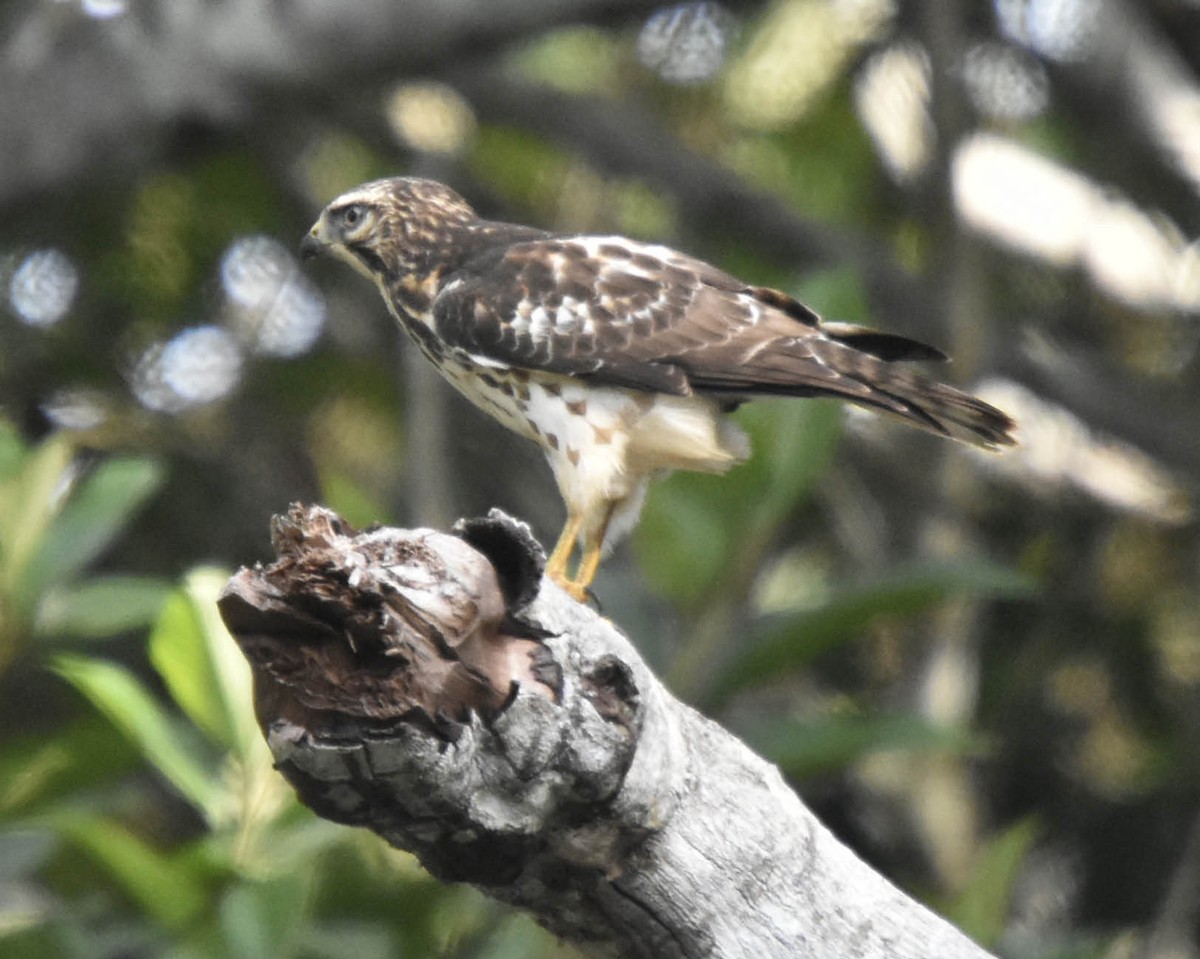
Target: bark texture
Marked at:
434, 689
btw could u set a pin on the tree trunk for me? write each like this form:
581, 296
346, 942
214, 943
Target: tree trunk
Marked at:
433, 688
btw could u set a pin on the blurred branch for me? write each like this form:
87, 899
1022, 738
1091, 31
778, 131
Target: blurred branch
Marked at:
1139, 89
584, 793
1158, 422
713, 200
1173, 927
430, 475
945, 676
80, 95
624, 140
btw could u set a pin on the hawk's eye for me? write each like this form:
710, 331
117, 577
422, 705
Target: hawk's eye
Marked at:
352, 216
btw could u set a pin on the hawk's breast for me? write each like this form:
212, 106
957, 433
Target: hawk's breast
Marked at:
601, 441
563, 415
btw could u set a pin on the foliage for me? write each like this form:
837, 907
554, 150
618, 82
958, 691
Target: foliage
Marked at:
851, 598
255, 876
983, 904
786, 642
57, 517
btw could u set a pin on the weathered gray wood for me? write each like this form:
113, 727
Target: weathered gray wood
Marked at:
618, 816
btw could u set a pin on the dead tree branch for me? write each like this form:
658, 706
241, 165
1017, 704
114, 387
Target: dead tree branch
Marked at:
432, 688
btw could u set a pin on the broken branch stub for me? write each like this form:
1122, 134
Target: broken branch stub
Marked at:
432, 687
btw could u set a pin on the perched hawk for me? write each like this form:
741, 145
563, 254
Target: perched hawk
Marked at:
616, 357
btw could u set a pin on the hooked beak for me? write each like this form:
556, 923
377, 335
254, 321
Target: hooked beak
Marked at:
314, 242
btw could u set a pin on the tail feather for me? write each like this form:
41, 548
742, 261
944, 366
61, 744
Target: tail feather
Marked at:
838, 367
884, 346
943, 409
852, 363
877, 365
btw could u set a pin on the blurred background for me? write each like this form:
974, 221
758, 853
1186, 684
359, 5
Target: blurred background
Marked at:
982, 671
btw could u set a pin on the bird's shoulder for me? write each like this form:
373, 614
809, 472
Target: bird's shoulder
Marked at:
602, 281
601, 297
548, 260
596, 306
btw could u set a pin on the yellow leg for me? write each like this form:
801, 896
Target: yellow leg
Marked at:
556, 565
589, 561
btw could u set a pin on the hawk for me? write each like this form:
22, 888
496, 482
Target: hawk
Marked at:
617, 357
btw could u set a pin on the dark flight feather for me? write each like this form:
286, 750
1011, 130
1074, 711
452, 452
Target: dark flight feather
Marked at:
627, 314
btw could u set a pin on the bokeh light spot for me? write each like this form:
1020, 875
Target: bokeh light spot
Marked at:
1059, 29
76, 408
891, 96
430, 117
1022, 199
1044, 209
199, 365
686, 43
43, 287
575, 59
273, 307
104, 9
1005, 82
798, 51
332, 163
1059, 451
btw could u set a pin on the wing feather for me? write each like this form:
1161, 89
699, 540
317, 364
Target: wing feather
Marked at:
642, 316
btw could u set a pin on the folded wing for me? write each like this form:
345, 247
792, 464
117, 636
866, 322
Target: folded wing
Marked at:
645, 317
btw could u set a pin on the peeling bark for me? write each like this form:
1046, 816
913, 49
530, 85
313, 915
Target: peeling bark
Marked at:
434, 689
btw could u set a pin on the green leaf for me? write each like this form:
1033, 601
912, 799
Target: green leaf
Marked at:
179, 652
266, 918
202, 666
275, 835
350, 500
678, 517
164, 889
12, 451
804, 747
836, 293
29, 500
24, 851
101, 606
91, 520
350, 940
36, 770
796, 443
165, 742
515, 937
700, 532
787, 642
982, 907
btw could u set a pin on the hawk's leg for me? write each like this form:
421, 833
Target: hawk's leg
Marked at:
589, 560
556, 565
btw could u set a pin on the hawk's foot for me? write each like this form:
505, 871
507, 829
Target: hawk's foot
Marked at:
576, 590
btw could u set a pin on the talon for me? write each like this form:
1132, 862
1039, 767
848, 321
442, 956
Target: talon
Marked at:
578, 592
589, 560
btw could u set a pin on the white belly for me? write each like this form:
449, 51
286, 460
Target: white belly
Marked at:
603, 443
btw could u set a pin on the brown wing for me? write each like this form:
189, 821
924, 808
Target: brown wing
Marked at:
643, 316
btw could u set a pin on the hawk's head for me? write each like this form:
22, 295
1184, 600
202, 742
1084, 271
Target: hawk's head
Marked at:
390, 229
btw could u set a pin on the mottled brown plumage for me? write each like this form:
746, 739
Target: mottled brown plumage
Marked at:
615, 356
